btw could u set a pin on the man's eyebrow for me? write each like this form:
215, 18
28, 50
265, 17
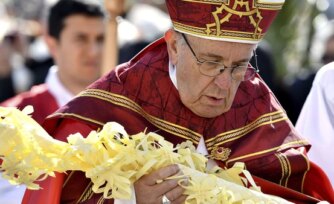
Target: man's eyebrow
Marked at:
243, 60
214, 55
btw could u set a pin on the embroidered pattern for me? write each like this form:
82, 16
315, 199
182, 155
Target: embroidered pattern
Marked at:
220, 153
128, 103
286, 145
265, 119
101, 200
308, 168
286, 169
223, 33
76, 116
218, 2
254, 16
87, 194
225, 13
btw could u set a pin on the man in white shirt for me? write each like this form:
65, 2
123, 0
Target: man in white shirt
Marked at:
316, 120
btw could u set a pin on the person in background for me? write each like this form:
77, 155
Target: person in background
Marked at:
195, 84
75, 39
328, 55
77, 50
15, 77
316, 120
321, 53
7, 89
155, 20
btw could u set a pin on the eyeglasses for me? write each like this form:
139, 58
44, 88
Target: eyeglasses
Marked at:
209, 68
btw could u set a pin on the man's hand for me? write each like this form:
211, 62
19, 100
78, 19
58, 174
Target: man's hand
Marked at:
114, 7
149, 190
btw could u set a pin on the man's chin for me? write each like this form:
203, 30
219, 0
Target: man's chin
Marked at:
208, 113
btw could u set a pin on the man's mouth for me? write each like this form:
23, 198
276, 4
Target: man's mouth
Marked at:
216, 100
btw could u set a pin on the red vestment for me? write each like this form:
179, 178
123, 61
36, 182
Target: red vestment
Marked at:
140, 96
39, 97
44, 104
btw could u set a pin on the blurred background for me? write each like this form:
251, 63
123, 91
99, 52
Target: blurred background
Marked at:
298, 43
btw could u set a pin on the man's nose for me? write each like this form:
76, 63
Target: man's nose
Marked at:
224, 79
94, 49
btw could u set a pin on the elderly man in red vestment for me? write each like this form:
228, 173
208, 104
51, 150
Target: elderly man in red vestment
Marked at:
195, 84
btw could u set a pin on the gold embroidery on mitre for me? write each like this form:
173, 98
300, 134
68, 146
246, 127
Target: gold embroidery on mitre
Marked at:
218, 2
269, 4
220, 153
216, 26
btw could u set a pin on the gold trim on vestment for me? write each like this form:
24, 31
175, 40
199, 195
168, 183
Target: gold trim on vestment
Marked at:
68, 178
77, 116
87, 193
283, 170
129, 104
298, 142
101, 200
286, 169
308, 168
231, 135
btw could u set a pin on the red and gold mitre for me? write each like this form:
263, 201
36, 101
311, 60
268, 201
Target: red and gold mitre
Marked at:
244, 21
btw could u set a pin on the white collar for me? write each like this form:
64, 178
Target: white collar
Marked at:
56, 88
172, 74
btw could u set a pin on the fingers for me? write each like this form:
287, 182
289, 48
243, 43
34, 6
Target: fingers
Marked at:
175, 194
148, 190
161, 175
179, 200
115, 7
166, 186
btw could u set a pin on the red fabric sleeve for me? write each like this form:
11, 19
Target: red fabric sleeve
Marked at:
317, 187
52, 187
286, 193
50, 192
317, 184
39, 97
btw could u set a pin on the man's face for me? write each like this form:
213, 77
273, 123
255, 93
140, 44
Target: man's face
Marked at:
207, 96
328, 55
78, 51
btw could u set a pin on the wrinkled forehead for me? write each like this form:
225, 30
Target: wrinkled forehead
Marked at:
213, 44
243, 21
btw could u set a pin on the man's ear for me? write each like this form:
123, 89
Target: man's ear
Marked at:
171, 38
52, 44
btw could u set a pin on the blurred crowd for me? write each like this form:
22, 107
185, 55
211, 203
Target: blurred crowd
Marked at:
25, 58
